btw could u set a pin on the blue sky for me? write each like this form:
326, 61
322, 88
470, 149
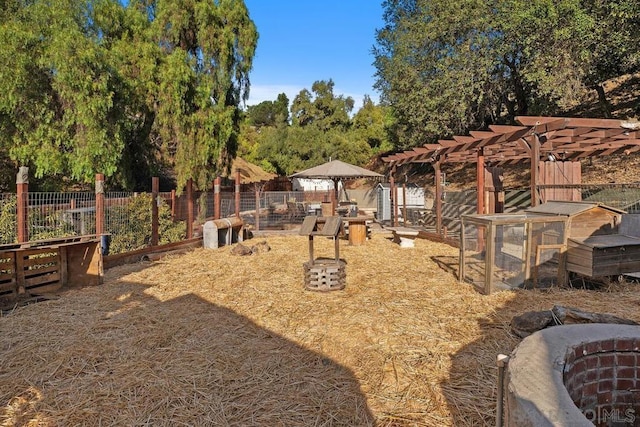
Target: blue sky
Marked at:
302, 41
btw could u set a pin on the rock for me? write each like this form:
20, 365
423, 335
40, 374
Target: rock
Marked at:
570, 315
533, 321
530, 322
260, 247
241, 249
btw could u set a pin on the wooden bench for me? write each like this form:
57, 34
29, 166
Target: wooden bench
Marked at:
404, 236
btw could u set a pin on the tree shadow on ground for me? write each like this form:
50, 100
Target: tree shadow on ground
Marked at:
120, 356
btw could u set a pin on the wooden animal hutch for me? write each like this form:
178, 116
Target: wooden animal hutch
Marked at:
540, 246
323, 274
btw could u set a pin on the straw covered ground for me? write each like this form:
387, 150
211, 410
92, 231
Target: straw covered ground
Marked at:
209, 338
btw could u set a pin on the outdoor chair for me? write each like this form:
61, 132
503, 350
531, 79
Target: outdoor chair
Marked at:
296, 210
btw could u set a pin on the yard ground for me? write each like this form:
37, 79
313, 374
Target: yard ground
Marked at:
209, 338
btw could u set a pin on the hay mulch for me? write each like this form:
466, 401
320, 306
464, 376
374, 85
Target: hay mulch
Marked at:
208, 338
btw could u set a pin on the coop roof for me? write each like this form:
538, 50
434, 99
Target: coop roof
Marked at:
568, 208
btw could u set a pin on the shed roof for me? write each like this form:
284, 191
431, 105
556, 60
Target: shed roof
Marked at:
562, 208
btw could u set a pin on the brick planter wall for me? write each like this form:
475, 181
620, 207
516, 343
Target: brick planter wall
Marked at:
575, 375
602, 380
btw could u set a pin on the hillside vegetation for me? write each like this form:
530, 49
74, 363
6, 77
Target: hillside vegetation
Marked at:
624, 103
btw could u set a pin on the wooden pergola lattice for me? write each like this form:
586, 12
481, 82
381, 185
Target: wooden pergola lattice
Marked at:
535, 139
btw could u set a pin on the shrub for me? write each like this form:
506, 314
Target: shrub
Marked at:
8, 220
134, 230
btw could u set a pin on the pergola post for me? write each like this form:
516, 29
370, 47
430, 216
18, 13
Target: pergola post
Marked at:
99, 189
438, 201
535, 168
257, 211
394, 197
216, 197
404, 203
480, 181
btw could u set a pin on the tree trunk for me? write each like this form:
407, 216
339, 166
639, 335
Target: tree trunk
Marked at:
605, 107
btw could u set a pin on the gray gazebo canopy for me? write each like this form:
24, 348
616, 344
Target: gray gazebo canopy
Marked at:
336, 170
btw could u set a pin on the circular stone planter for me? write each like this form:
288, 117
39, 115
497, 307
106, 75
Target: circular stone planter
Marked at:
575, 375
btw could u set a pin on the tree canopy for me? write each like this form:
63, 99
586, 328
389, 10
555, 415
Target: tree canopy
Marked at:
321, 128
96, 86
444, 72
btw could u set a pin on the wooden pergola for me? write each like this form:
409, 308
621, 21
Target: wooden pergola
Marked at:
535, 139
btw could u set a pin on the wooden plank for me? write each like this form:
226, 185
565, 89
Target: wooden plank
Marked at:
84, 264
308, 225
331, 226
11, 286
37, 260
38, 271
47, 288
580, 269
32, 282
7, 276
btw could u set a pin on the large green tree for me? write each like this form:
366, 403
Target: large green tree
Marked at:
613, 46
57, 103
447, 67
321, 108
321, 128
94, 86
269, 113
208, 52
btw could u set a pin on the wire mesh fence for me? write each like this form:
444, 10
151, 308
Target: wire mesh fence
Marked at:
8, 232
625, 197
61, 214
128, 221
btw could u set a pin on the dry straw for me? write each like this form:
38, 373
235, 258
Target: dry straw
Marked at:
208, 338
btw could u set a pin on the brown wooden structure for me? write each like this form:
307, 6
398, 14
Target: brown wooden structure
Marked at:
541, 245
323, 274
538, 141
45, 266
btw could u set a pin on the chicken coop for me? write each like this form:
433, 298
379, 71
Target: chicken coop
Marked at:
539, 247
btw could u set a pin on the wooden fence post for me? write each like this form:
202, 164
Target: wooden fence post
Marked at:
99, 204
155, 187
216, 197
22, 190
189, 208
237, 188
257, 211
173, 205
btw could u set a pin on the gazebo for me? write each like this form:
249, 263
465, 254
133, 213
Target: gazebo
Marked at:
552, 146
336, 171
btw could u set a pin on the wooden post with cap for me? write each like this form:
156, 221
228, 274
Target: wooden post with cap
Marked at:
22, 190
155, 203
216, 197
99, 204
